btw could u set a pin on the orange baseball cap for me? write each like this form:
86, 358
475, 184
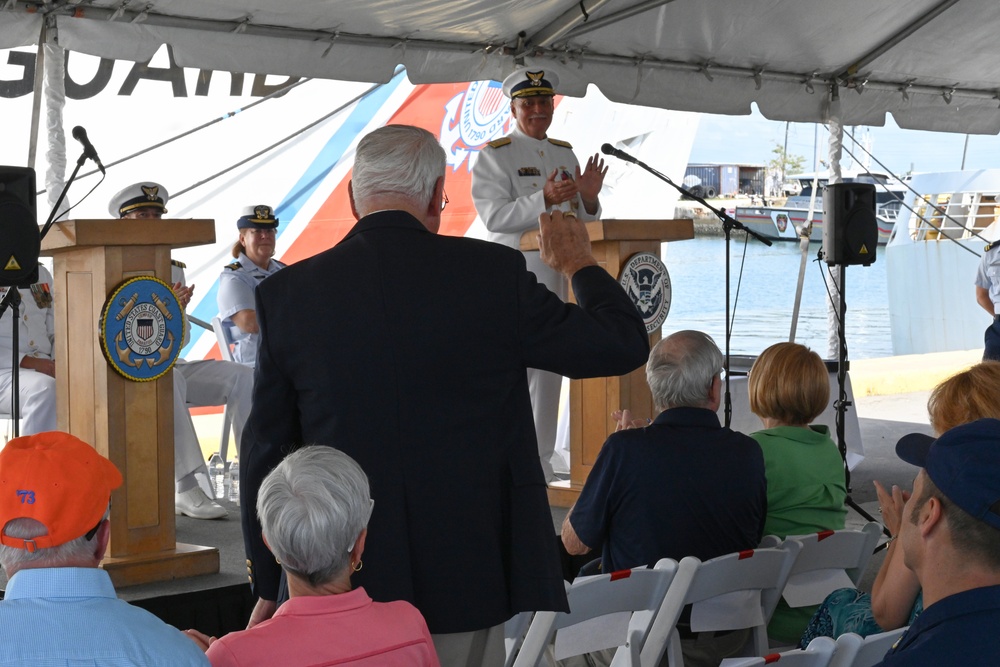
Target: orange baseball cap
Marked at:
58, 480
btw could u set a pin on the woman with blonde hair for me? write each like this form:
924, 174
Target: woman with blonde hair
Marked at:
789, 387
895, 599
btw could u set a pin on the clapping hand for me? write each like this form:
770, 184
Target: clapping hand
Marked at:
624, 420
891, 506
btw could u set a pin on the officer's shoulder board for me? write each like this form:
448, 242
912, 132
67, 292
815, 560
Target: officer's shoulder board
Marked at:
179, 265
234, 266
559, 142
497, 143
990, 246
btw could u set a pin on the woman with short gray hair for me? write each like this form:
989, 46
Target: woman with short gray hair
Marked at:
314, 509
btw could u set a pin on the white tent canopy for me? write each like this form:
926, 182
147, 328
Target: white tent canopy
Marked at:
932, 64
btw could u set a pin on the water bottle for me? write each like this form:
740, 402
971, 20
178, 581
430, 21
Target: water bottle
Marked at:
234, 481
217, 475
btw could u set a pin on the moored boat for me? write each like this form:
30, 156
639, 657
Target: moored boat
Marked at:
932, 257
782, 223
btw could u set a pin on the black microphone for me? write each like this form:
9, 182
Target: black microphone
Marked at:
80, 135
608, 149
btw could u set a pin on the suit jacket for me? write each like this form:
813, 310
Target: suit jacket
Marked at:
407, 350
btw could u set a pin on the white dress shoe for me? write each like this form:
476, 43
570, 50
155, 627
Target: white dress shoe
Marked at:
195, 504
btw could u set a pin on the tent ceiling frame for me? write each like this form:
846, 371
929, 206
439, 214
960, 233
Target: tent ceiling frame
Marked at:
896, 39
809, 80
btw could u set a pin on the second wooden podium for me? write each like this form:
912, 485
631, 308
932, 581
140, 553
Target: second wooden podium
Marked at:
592, 401
131, 423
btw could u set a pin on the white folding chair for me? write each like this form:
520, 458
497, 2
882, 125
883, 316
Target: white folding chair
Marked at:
817, 654
855, 651
732, 592
223, 335
827, 561
606, 611
513, 635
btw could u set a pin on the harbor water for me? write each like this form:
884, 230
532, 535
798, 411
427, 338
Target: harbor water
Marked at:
766, 297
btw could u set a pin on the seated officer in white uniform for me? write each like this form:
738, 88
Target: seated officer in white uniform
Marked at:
36, 357
253, 252
516, 179
196, 383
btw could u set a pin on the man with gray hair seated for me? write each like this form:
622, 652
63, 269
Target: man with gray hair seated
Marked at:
680, 486
60, 608
314, 510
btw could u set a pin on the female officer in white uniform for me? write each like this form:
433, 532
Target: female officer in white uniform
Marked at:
253, 252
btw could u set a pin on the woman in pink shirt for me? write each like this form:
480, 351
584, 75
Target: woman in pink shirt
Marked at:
314, 508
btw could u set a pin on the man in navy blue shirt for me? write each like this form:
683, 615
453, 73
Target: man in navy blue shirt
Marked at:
951, 540
681, 486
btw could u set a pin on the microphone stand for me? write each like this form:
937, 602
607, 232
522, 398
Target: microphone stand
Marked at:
13, 300
728, 225
62, 195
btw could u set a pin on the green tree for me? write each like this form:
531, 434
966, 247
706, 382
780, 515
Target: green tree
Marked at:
783, 164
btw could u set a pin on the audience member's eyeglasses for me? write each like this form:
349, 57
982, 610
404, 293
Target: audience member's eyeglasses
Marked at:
445, 201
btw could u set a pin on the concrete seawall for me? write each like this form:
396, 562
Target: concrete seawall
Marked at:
908, 373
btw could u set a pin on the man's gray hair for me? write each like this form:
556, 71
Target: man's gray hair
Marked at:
397, 160
312, 508
14, 559
681, 369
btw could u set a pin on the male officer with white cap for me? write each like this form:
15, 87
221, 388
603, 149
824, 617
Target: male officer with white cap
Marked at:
198, 383
36, 355
254, 253
519, 177
60, 607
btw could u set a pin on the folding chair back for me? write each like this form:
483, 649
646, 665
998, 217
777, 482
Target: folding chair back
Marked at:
829, 560
222, 334
742, 590
855, 651
513, 635
817, 654
602, 606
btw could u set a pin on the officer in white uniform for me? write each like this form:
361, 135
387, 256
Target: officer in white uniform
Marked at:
254, 261
37, 366
196, 383
988, 296
516, 179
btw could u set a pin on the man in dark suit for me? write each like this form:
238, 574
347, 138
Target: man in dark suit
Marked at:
408, 351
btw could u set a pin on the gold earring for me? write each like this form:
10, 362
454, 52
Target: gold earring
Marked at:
357, 566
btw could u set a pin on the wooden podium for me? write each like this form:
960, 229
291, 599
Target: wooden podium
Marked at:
592, 401
131, 423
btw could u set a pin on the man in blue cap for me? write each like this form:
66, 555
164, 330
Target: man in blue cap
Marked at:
516, 179
950, 536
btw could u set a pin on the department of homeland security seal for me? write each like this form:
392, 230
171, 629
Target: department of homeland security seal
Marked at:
141, 328
645, 279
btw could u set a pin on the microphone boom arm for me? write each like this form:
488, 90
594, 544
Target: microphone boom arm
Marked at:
728, 224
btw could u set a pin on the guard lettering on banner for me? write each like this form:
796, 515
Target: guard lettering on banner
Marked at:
141, 328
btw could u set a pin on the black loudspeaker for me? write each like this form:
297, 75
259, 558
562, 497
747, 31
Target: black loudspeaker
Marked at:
850, 228
19, 240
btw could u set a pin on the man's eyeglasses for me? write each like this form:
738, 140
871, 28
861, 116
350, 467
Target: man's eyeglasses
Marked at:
444, 202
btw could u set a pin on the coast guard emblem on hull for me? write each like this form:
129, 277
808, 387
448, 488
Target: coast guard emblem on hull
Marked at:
472, 120
141, 328
782, 222
645, 279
